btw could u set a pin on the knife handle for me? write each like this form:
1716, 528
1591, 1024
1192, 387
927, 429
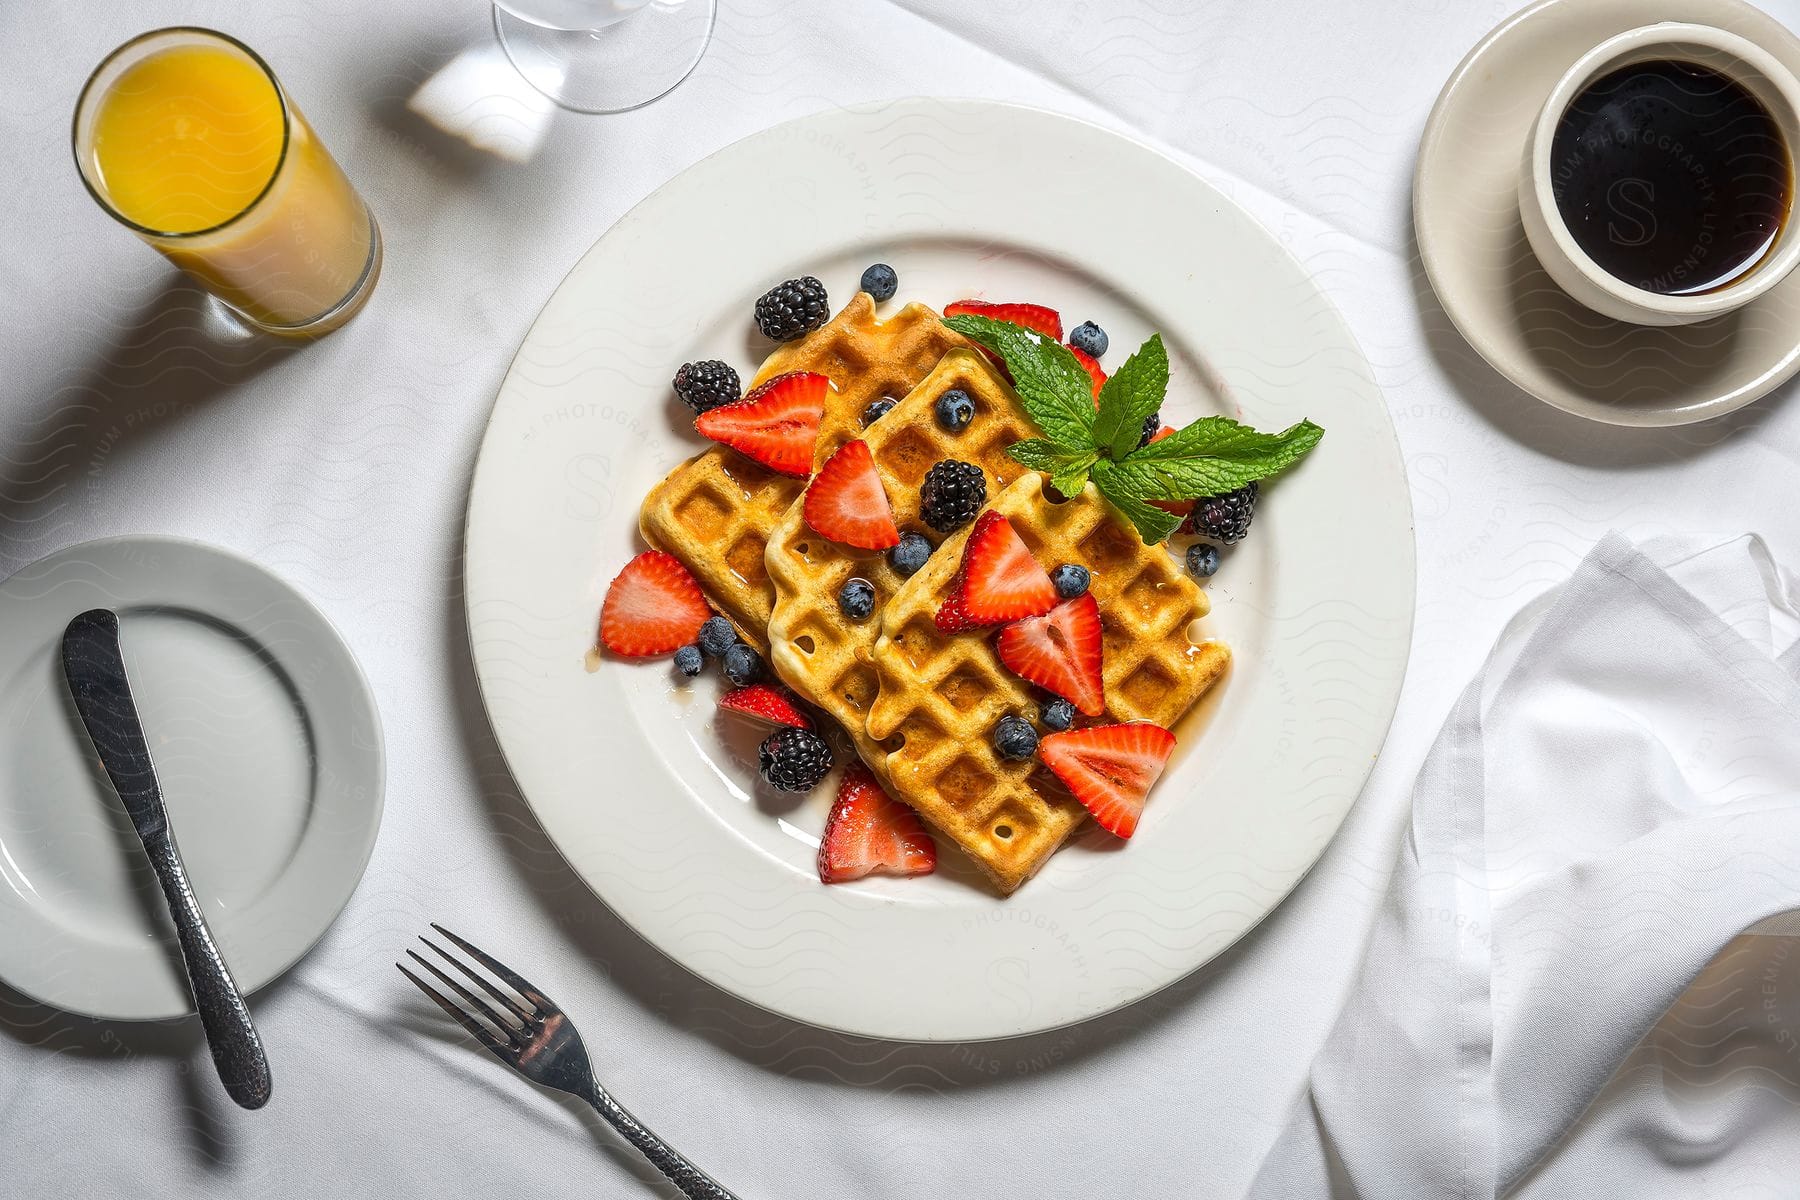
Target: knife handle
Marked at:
237, 1051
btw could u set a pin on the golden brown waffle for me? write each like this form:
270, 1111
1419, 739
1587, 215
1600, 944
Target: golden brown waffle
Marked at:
940, 694
715, 512
819, 652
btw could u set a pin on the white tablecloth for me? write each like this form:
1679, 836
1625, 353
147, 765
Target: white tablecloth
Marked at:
344, 466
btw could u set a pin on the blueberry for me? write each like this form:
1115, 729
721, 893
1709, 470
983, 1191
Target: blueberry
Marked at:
857, 598
717, 636
910, 555
880, 281
689, 660
878, 409
743, 666
1057, 714
1202, 559
1070, 580
955, 410
1089, 338
1014, 738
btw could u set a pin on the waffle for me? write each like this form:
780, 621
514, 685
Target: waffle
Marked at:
939, 694
822, 654
715, 512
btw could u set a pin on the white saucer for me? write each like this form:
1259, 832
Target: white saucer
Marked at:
1466, 216
267, 745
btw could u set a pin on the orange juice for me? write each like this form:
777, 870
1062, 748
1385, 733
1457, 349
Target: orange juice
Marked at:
187, 137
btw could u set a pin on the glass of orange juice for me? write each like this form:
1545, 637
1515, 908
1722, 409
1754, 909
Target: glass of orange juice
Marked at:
186, 136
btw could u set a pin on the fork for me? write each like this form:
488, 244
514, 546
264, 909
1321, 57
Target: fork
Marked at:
539, 1042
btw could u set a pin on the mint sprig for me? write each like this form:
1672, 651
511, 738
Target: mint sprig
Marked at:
1088, 438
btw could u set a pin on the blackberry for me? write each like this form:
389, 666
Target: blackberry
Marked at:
705, 385
790, 309
955, 410
856, 599
1202, 560
1225, 518
878, 409
880, 281
910, 555
743, 666
717, 636
953, 492
1152, 423
1057, 714
794, 760
1014, 738
689, 660
1070, 580
1089, 338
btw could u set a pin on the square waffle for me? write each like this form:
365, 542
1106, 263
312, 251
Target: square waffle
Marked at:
939, 695
716, 511
817, 650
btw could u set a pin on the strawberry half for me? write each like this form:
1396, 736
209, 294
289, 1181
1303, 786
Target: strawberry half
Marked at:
1031, 316
764, 702
652, 607
998, 582
870, 833
846, 503
1091, 365
1110, 768
1060, 651
776, 424
1180, 508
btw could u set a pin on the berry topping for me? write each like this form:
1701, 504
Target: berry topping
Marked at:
1224, 518
953, 492
1031, 316
652, 607
761, 702
1060, 652
955, 410
742, 665
705, 385
1089, 338
998, 580
1202, 560
911, 554
794, 760
1057, 714
1014, 738
846, 502
870, 833
791, 309
1092, 366
880, 282
1152, 425
1071, 580
717, 636
689, 660
776, 424
856, 599
878, 409
1110, 768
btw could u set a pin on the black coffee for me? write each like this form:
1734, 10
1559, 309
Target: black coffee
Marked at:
1671, 176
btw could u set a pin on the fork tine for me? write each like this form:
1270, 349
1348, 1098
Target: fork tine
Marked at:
511, 978
503, 1051
507, 1029
512, 1005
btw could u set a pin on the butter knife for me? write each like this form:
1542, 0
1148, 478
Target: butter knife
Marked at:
95, 668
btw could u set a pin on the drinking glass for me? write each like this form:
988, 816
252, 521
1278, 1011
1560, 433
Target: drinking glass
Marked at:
601, 56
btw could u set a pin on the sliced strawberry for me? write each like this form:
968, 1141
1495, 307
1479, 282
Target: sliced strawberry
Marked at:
776, 424
652, 607
1091, 365
1031, 316
1060, 651
1110, 768
999, 581
765, 702
1180, 508
846, 503
870, 833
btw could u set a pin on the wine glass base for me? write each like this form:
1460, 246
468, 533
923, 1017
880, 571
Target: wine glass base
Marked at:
623, 66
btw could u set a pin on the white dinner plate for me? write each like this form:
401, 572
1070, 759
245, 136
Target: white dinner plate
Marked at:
266, 744
656, 803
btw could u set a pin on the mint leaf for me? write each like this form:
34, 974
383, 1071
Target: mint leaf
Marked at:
1129, 396
1212, 456
1153, 524
1068, 469
1057, 393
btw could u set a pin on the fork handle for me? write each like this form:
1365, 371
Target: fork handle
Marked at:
691, 1180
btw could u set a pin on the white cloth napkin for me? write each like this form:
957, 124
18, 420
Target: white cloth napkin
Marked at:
1614, 799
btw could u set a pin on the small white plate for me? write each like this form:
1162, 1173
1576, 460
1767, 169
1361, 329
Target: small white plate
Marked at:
267, 746
656, 803
1466, 215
